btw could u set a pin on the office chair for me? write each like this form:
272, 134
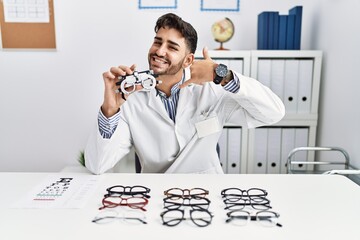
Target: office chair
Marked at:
138, 165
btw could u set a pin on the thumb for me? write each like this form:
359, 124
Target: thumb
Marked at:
206, 53
133, 67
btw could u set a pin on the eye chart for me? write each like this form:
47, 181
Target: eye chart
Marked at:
60, 192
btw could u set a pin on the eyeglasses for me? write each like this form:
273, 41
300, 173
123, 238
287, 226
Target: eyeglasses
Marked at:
110, 201
186, 193
175, 202
130, 217
239, 193
136, 190
265, 218
259, 203
200, 217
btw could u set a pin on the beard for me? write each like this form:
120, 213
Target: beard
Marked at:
170, 69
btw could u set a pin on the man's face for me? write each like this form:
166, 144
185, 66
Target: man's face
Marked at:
167, 53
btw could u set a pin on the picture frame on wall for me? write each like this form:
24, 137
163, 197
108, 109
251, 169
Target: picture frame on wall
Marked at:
158, 4
220, 5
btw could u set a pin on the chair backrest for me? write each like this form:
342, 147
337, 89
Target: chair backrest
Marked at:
290, 162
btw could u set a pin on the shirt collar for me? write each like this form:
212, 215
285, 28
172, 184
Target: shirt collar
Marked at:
174, 89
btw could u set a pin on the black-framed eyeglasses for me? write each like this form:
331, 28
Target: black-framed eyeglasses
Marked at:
200, 217
110, 201
175, 202
258, 203
136, 190
130, 217
237, 193
186, 193
265, 218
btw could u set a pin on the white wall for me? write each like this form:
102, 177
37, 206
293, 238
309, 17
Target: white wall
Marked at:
337, 29
49, 99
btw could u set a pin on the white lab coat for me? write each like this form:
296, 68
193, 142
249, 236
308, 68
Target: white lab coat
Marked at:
189, 144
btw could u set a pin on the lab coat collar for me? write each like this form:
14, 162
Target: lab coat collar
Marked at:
184, 101
157, 105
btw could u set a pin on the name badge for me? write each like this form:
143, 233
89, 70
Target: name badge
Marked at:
207, 127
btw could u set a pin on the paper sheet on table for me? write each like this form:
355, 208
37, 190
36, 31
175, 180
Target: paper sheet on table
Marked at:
60, 191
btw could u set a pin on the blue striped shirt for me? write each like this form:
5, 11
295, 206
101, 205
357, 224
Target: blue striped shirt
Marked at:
107, 126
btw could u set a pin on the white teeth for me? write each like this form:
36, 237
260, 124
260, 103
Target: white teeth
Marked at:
158, 60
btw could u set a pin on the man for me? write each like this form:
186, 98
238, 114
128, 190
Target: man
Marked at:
175, 127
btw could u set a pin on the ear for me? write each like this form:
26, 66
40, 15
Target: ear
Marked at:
189, 59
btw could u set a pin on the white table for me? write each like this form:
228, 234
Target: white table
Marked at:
310, 207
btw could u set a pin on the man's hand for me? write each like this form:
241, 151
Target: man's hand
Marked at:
201, 70
112, 99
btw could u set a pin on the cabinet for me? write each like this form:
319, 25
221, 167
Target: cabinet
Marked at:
295, 77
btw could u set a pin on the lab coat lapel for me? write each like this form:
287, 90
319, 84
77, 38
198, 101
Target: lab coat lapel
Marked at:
157, 105
185, 101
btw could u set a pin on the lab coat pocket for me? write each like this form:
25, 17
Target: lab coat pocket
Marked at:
206, 125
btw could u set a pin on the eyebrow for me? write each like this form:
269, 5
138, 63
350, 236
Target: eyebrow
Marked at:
169, 41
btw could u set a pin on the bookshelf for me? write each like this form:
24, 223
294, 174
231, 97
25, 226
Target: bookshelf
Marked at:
294, 75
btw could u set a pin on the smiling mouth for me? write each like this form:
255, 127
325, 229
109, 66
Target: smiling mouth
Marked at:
159, 60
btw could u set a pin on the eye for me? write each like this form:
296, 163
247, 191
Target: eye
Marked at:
173, 48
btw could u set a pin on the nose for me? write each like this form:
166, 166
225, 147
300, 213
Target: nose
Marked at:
161, 51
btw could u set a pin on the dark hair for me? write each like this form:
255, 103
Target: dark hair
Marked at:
171, 20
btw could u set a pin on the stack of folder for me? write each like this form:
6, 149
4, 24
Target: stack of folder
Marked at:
280, 32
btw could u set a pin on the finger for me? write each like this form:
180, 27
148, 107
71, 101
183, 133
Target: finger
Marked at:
133, 67
108, 75
206, 53
118, 71
128, 70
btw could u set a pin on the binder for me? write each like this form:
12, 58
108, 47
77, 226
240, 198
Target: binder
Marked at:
290, 85
277, 77
297, 12
234, 150
287, 144
236, 65
290, 32
273, 30
273, 150
282, 32
260, 148
301, 140
223, 149
264, 72
304, 86
263, 31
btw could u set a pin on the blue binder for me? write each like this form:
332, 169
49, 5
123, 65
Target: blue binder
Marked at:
297, 12
263, 31
290, 32
275, 30
282, 31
